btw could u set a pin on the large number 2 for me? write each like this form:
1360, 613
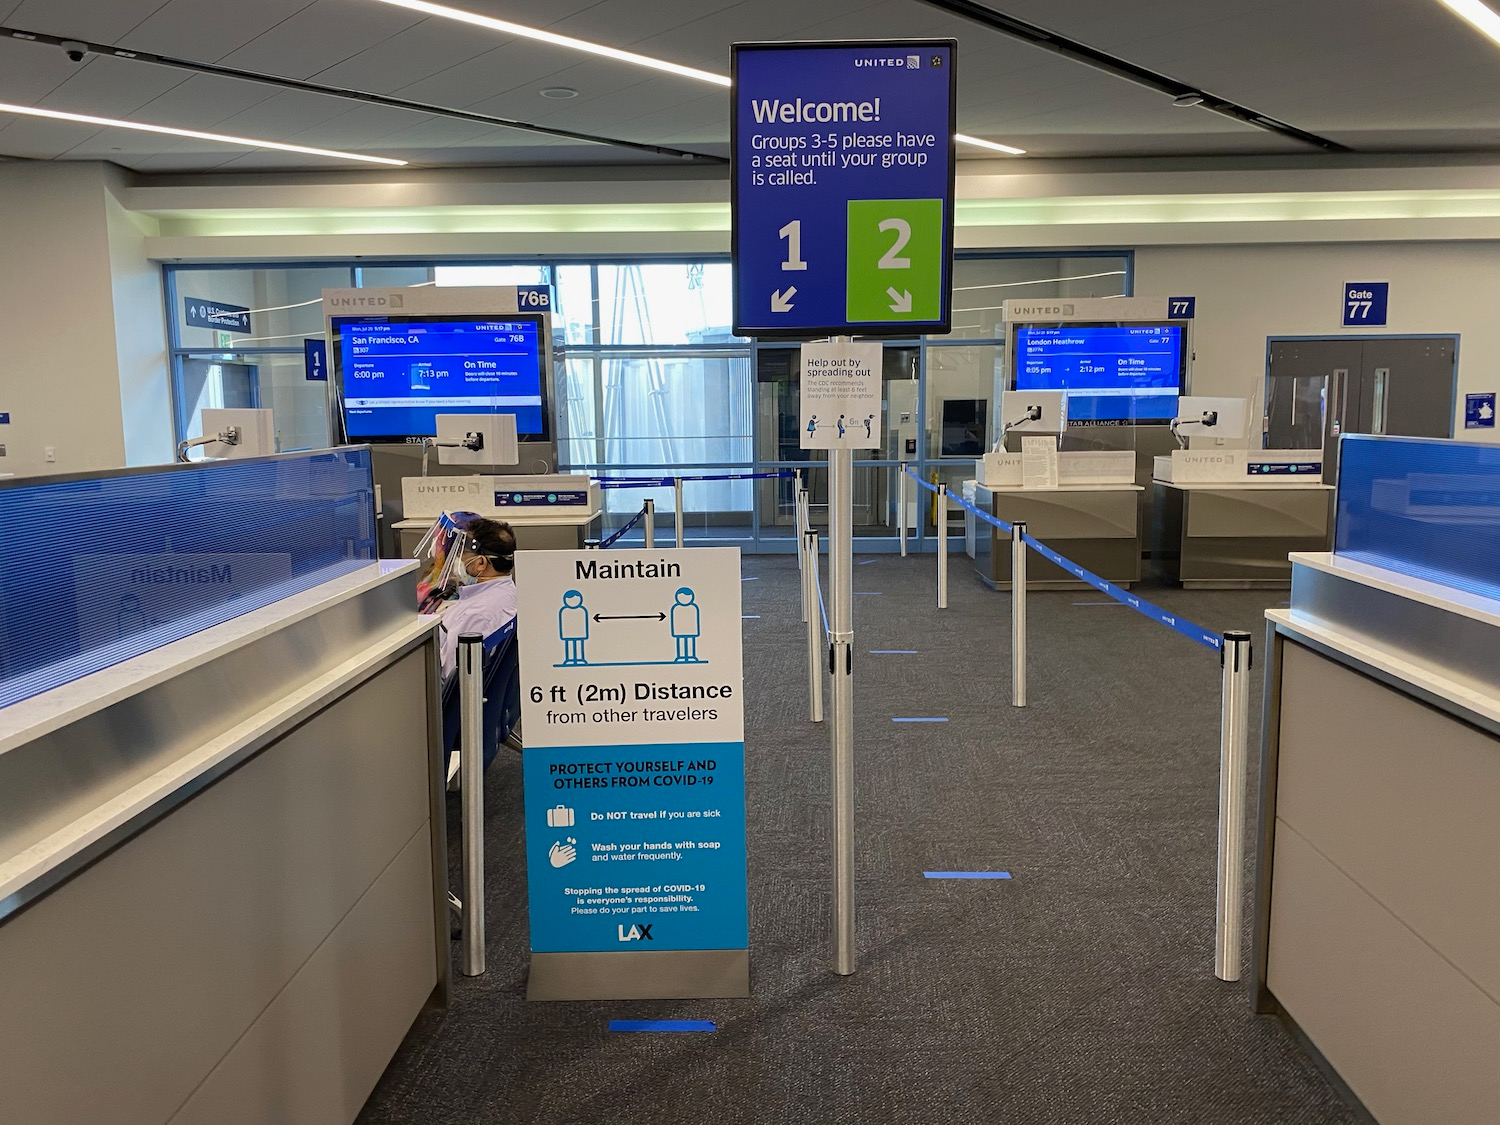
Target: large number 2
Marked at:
890, 259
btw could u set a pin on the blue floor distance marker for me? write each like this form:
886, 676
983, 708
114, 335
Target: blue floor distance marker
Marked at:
749, 617
893, 652
966, 874
867, 592
662, 1025
919, 720
752, 578
867, 562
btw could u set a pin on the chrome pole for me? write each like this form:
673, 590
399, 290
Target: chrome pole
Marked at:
901, 506
803, 527
1234, 751
1018, 613
809, 553
650, 523
942, 546
677, 489
471, 781
841, 665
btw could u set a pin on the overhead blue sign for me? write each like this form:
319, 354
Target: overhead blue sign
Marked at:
1365, 303
315, 360
534, 298
1479, 411
843, 187
1182, 308
5, 418
198, 313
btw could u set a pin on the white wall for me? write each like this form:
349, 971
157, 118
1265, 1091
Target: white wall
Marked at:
81, 348
140, 335
1249, 293
57, 331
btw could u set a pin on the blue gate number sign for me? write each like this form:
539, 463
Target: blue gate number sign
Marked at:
1182, 308
315, 360
1479, 411
843, 187
198, 313
1365, 303
533, 298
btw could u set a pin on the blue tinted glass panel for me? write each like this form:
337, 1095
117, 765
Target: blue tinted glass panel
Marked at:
1427, 508
97, 570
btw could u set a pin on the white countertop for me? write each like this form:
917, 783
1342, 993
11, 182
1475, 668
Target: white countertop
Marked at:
1289, 485
39, 715
1421, 674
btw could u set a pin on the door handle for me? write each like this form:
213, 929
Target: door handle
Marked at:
1340, 374
1377, 424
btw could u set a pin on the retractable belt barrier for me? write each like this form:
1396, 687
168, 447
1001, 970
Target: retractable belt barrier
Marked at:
668, 482
615, 536
1235, 656
1181, 625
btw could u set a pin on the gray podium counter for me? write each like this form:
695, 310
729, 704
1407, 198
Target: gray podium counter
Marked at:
1095, 525
1237, 535
1378, 867
222, 872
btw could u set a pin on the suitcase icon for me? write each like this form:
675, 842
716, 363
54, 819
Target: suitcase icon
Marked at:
560, 817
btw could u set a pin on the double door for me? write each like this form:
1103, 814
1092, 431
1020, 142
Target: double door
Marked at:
1319, 389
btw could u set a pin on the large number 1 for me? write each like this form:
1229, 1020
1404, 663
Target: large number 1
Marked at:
890, 260
792, 232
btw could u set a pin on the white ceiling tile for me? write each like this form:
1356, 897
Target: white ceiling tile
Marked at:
97, 21
28, 72
207, 29
204, 101
110, 87
319, 36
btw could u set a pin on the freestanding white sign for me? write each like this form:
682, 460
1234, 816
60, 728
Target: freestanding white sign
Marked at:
841, 395
634, 723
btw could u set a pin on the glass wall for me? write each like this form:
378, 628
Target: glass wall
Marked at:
649, 380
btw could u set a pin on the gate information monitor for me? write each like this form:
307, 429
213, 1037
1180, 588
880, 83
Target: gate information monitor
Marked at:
1112, 373
843, 187
398, 373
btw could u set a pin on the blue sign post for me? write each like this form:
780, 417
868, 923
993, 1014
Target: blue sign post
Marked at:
315, 360
843, 187
1366, 303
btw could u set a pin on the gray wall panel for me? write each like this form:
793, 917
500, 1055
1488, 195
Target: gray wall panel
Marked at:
1415, 1040
127, 985
1402, 798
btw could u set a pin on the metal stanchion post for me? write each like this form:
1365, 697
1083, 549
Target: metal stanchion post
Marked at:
841, 665
809, 552
1018, 613
1234, 733
677, 488
942, 546
901, 506
591, 544
650, 522
471, 781
809, 592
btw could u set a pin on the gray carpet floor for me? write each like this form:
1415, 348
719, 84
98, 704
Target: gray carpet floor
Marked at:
1081, 990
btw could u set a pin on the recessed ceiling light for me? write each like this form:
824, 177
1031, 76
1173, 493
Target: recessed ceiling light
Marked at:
558, 92
505, 27
1483, 18
1188, 100
222, 138
993, 145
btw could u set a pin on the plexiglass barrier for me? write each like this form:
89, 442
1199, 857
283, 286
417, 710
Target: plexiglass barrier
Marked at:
100, 568
1425, 507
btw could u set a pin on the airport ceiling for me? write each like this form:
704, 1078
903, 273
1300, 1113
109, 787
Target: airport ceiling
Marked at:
1371, 76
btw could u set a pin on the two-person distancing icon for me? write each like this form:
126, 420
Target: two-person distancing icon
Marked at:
684, 621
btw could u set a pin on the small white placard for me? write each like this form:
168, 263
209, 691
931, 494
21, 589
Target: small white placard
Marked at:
841, 396
1038, 462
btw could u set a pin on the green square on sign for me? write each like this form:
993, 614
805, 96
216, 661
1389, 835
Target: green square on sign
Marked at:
895, 268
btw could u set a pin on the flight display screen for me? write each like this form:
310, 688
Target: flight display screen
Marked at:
399, 373
1114, 374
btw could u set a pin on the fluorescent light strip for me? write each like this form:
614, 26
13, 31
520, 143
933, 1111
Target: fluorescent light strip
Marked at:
1039, 281
524, 32
167, 130
1480, 16
993, 145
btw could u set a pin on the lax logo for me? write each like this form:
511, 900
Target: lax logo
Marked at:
635, 933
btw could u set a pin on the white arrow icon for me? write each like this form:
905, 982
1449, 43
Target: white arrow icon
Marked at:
782, 301
900, 302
